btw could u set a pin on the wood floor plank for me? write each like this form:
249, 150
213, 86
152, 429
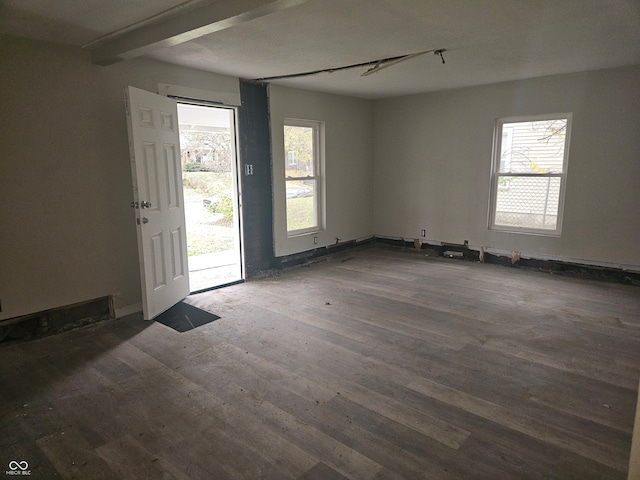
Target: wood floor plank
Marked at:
362, 430
290, 458
605, 454
338, 456
430, 426
378, 363
127, 458
400, 449
73, 457
17, 445
320, 471
534, 454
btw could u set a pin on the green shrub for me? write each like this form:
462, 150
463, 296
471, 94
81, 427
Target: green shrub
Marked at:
207, 183
195, 167
222, 204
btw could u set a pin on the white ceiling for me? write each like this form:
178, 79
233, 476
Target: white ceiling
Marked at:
486, 41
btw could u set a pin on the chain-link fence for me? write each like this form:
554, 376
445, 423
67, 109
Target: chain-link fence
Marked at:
528, 202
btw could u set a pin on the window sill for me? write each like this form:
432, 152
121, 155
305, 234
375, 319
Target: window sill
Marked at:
518, 231
303, 233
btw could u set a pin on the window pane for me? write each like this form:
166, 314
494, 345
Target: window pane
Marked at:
533, 147
298, 147
301, 205
528, 202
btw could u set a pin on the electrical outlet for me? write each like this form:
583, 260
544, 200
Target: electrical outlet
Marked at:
315, 239
248, 169
423, 233
466, 243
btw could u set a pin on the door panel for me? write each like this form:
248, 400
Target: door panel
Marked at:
150, 178
174, 176
177, 248
157, 257
157, 190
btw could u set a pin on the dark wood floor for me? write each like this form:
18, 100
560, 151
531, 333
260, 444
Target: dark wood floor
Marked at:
382, 364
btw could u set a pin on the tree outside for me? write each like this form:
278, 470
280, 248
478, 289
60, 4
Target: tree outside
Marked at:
298, 143
205, 151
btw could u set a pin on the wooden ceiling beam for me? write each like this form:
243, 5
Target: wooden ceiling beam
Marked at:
193, 24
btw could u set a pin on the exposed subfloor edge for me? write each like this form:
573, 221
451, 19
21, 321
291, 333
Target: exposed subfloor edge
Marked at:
309, 257
514, 259
56, 320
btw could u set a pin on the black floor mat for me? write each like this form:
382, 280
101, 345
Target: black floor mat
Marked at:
184, 317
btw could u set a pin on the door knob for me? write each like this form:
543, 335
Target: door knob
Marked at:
144, 220
144, 204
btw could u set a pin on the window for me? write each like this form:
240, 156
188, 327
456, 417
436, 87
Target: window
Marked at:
529, 174
506, 147
302, 144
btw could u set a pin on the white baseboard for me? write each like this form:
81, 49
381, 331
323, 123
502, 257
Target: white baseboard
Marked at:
128, 310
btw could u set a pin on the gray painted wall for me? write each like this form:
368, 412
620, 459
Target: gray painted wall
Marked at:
433, 163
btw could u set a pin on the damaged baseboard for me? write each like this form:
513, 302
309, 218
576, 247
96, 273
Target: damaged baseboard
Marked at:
317, 253
128, 310
573, 268
559, 267
434, 249
56, 320
311, 256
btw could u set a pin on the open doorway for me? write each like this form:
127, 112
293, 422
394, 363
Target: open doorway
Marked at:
211, 199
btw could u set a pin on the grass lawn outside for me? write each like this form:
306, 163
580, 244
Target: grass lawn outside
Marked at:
300, 213
209, 239
206, 231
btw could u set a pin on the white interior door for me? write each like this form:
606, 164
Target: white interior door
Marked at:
154, 146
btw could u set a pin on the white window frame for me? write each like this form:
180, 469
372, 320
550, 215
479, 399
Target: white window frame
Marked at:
509, 138
496, 173
318, 163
